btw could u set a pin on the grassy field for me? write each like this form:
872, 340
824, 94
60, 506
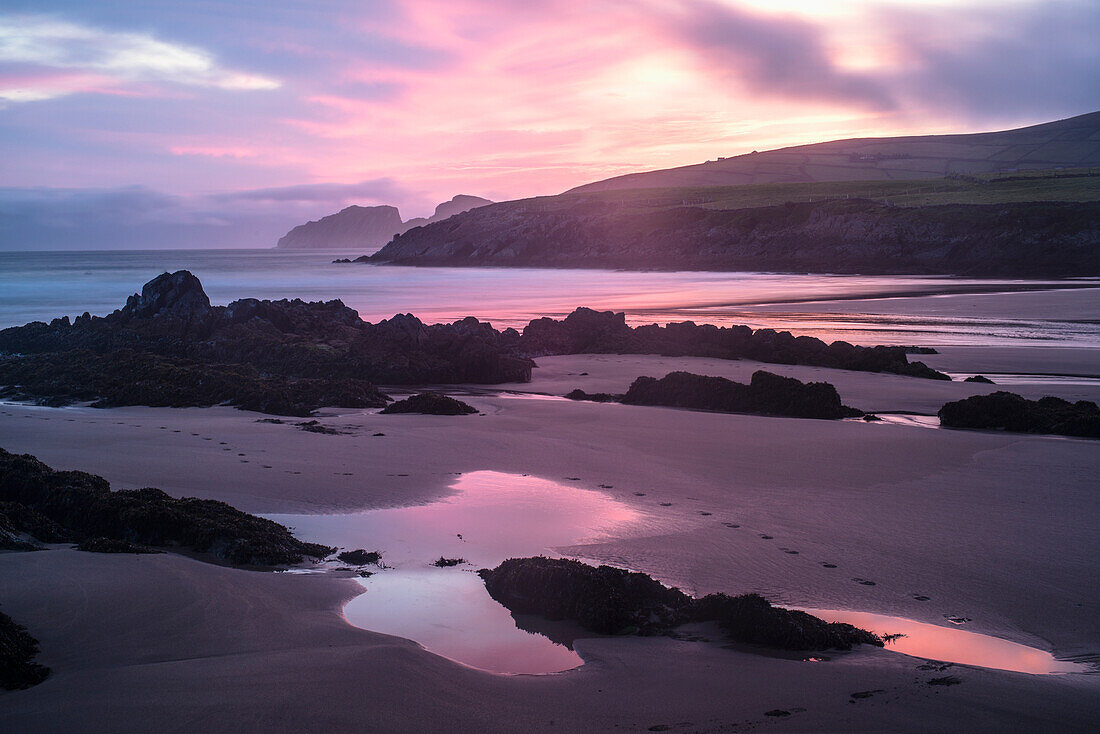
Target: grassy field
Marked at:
1066, 185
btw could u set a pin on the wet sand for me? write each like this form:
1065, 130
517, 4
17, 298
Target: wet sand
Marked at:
992, 527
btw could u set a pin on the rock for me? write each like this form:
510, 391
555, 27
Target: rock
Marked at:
980, 378
603, 332
430, 403
85, 506
1006, 411
442, 562
361, 557
176, 295
766, 394
17, 651
360, 227
22, 528
111, 545
609, 600
597, 397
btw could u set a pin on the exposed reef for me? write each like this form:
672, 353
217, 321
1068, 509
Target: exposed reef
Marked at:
612, 601
169, 347
430, 403
1006, 411
604, 332
766, 394
86, 507
17, 652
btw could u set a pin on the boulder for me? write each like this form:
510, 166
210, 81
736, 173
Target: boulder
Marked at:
1006, 411
430, 403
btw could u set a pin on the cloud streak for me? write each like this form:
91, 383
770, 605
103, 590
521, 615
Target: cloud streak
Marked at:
105, 60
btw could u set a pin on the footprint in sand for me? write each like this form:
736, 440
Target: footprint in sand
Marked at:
242, 454
244, 461
606, 486
666, 504
767, 537
865, 582
639, 494
921, 597
731, 525
704, 514
266, 466
572, 479
227, 449
789, 552
828, 565
953, 619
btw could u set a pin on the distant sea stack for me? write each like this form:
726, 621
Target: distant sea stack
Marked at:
359, 227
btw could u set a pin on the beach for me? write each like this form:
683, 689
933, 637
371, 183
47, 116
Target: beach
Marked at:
992, 528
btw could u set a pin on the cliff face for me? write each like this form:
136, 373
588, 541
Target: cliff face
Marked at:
357, 226
364, 227
842, 236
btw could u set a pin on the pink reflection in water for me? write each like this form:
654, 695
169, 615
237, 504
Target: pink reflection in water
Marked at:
952, 645
492, 516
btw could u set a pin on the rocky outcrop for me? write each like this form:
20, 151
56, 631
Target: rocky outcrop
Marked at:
360, 227
457, 205
276, 356
24, 529
603, 332
1006, 411
364, 227
17, 652
612, 601
86, 507
1027, 239
766, 394
595, 397
430, 403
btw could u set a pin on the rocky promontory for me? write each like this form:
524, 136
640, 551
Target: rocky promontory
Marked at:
1021, 239
612, 601
364, 227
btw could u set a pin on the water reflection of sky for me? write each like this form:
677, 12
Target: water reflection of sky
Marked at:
490, 517
45, 285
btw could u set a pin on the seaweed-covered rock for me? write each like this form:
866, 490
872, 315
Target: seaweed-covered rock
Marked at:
361, 557
85, 505
17, 652
766, 394
1008, 411
126, 377
603, 332
602, 599
750, 618
609, 600
595, 397
979, 378
430, 403
113, 545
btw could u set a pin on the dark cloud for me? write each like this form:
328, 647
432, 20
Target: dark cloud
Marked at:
776, 55
1000, 63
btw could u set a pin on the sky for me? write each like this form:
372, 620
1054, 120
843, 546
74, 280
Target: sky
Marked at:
208, 123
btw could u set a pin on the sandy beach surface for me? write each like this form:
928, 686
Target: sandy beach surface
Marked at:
996, 528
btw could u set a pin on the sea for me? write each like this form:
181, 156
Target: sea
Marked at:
45, 285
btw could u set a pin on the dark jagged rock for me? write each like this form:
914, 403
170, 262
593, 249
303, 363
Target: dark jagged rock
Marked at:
443, 562
751, 619
289, 353
361, 557
609, 600
980, 378
604, 600
84, 505
604, 332
1006, 411
19, 522
113, 545
17, 651
767, 394
1028, 239
595, 397
317, 427
126, 377
430, 403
